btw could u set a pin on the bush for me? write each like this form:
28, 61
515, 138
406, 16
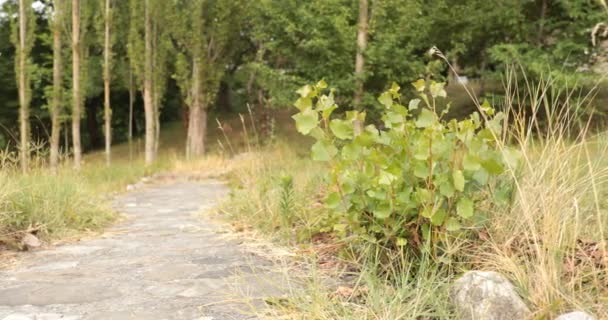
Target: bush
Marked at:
414, 180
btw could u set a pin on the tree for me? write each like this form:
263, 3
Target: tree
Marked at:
76, 85
146, 23
204, 34
150, 153
107, 55
55, 106
23, 38
361, 45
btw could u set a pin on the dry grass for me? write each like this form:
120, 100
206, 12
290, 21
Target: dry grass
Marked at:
552, 239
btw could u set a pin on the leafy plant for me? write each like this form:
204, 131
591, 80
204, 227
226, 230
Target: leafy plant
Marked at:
286, 202
415, 179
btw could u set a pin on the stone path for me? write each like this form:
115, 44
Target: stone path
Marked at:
163, 262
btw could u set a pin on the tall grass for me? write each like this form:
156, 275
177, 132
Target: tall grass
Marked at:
552, 240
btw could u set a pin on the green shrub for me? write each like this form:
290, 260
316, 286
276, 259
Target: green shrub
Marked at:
415, 180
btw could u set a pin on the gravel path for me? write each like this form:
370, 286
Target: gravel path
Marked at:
162, 262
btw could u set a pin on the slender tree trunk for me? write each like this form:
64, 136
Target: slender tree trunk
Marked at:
155, 97
76, 98
107, 111
23, 83
197, 123
361, 46
148, 87
57, 90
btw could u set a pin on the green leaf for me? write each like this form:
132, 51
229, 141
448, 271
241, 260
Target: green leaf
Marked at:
414, 103
351, 151
305, 91
487, 107
386, 99
303, 103
383, 211
437, 90
341, 129
394, 90
321, 85
423, 195
328, 111
322, 151
306, 121
459, 180
439, 217
446, 189
427, 212
333, 200
419, 85
386, 178
471, 163
452, 224
493, 167
465, 208
481, 176
325, 102
421, 170
425, 119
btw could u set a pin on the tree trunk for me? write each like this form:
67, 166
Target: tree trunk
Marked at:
148, 87
57, 92
197, 129
155, 97
361, 46
76, 98
24, 112
107, 111
197, 123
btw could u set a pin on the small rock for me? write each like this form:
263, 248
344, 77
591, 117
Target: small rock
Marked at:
488, 296
575, 315
30, 241
130, 187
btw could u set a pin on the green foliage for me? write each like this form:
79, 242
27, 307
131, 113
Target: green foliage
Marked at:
415, 179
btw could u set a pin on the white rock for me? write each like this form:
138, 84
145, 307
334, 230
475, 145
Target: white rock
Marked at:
31, 241
487, 295
575, 315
